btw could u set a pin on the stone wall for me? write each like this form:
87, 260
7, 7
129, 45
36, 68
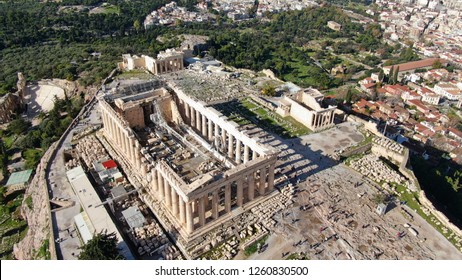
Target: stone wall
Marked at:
38, 217
359, 150
9, 104
390, 150
428, 204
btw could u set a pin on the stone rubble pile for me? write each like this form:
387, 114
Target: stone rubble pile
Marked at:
90, 150
371, 166
389, 144
150, 239
226, 239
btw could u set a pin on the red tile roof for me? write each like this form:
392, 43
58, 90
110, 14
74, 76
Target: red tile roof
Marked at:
415, 64
109, 164
456, 132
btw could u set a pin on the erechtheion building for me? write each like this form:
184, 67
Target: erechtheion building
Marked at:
201, 168
306, 107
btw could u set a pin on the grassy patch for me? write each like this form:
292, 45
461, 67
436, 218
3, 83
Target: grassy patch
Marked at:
28, 202
44, 251
285, 127
9, 140
254, 247
111, 10
32, 157
412, 200
140, 74
12, 227
348, 160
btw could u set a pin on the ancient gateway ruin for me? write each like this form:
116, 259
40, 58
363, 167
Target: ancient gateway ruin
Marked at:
167, 61
202, 169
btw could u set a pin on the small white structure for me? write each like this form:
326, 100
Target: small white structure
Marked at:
381, 209
134, 217
448, 90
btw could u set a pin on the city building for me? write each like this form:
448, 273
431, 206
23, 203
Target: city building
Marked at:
18, 180
448, 90
410, 67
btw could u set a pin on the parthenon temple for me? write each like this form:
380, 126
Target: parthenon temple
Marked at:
201, 167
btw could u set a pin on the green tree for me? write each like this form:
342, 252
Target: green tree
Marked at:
381, 74
102, 246
437, 64
379, 198
455, 181
395, 75
390, 75
268, 90
3, 159
349, 95
374, 93
18, 126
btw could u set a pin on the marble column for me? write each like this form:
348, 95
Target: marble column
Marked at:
105, 121
198, 120
156, 68
182, 211
251, 183
160, 185
217, 135
223, 140
202, 210
262, 184
246, 153
132, 150
113, 131
118, 135
193, 117
271, 177
240, 193
230, 146
189, 217
254, 155
168, 196
215, 204
126, 145
210, 132
228, 198
204, 127
187, 112
137, 155
175, 206
154, 185
238, 151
